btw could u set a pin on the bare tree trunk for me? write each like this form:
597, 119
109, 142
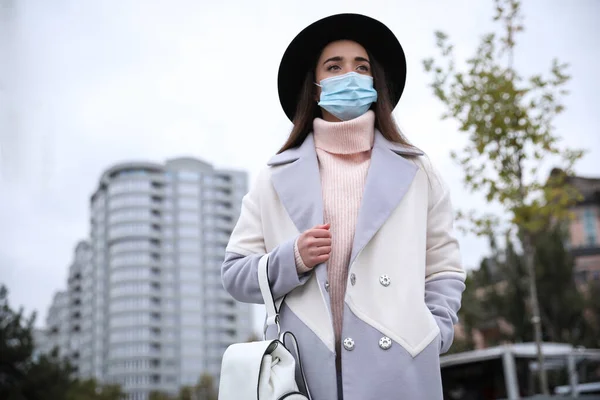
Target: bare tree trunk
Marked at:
535, 311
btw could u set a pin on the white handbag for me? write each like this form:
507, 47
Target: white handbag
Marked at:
263, 370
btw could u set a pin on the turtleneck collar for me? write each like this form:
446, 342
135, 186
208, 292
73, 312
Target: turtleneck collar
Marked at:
346, 137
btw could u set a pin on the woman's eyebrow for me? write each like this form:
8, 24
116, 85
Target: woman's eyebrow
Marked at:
339, 58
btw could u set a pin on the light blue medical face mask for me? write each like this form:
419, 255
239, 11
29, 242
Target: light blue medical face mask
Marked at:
347, 96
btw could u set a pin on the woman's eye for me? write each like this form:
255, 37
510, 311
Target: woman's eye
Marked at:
333, 68
363, 68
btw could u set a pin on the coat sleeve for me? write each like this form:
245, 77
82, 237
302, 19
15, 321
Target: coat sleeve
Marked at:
239, 272
445, 277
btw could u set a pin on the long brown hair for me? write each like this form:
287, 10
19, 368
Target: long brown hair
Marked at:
307, 110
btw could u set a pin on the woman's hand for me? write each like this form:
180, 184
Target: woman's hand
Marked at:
314, 245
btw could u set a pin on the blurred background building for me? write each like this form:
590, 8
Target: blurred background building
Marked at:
144, 306
57, 322
584, 232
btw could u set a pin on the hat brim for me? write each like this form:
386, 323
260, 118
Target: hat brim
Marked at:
303, 52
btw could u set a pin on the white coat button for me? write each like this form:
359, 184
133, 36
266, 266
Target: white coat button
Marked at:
352, 279
349, 344
385, 280
385, 343
327, 286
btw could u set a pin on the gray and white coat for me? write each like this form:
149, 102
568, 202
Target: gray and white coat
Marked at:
405, 275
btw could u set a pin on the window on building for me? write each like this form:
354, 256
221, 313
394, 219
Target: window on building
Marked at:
189, 245
209, 236
190, 274
189, 203
190, 260
209, 222
188, 217
167, 233
189, 189
191, 289
130, 172
128, 185
122, 215
188, 175
589, 226
129, 200
209, 194
189, 231
191, 303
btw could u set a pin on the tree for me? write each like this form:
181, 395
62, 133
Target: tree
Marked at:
497, 291
89, 389
157, 395
509, 122
111, 392
494, 295
16, 342
47, 377
252, 338
561, 303
20, 376
186, 393
470, 315
206, 388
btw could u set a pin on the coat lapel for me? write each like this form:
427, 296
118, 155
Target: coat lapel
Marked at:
388, 180
297, 181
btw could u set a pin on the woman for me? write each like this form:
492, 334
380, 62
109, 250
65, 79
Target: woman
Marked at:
356, 222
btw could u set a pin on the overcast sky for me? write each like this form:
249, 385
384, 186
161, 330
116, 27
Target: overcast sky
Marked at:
86, 84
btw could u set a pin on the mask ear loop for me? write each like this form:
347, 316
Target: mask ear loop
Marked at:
321, 86
316, 97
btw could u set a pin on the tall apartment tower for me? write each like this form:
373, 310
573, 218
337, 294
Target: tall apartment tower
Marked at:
146, 306
158, 239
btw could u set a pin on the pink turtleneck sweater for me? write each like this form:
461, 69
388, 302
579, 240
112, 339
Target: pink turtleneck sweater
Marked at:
344, 154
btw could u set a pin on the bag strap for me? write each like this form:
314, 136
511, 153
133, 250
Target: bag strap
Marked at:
296, 348
272, 306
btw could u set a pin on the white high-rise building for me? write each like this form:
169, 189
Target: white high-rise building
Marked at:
146, 306
69, 323
42, 344
57, 322
81, 309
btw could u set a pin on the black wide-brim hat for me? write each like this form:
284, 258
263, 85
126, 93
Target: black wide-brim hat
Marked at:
303, 52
